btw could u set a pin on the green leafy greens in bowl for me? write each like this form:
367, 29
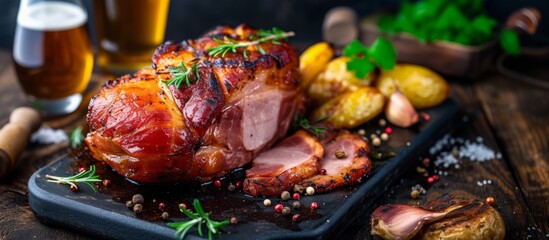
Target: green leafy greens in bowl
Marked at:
459, 21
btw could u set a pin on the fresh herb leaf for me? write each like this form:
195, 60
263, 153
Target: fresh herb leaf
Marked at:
304, 123
509, 41
76, 137
459, 21
364, 60
197, 219
231, 45
384, 53
86, 177
182, 74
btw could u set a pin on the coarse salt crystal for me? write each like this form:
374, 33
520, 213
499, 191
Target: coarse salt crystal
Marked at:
49, 136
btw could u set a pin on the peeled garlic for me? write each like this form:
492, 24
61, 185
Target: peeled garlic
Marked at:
399, 111
399, 221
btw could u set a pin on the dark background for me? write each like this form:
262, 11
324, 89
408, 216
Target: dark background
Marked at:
190, 18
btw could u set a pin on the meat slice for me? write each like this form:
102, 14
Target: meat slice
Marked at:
233, 108
345, 170
293, 159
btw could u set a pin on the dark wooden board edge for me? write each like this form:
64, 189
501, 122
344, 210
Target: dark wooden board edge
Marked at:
57, 210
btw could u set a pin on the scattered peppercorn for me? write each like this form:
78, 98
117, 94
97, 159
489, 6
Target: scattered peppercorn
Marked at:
75, 188
455, 152
298, 188
129, 204
376, 141
234, 220
310, 191
361, 132
267, 202
382, 122
278, 208
435, 177
217, 183
340, 154
238, 184
296, 205
286, 211
296, 196
107, 183
314, 206
414, 194
161, 206
426, 162
138, 208
384, 136
138, 198
231, 187
490, 201
426, 116
323, 171
430, 180
285, 195
296, 217
165, 215
388, 130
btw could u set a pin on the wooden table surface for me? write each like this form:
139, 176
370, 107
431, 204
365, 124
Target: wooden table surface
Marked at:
510, 116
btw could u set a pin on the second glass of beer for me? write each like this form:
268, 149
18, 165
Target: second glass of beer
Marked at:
128, 33
52, 54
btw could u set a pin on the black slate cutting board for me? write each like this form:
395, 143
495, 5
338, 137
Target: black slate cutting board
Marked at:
104, 214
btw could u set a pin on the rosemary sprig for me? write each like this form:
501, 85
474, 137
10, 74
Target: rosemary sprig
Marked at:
228, 44
86, 177
199, 218
76, 137
181, 73
303, 122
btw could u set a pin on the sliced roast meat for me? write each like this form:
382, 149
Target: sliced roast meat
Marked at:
291, 161
232, 108
345, 161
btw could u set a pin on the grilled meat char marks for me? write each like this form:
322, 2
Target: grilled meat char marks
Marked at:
150, 132
341, 171
292, 160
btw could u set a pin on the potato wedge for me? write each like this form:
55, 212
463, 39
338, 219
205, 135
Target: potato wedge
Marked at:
313, 60
352, 109
422, 86
334, 80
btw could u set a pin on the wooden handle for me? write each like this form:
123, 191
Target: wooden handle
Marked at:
14, 137
525, 20
340, 26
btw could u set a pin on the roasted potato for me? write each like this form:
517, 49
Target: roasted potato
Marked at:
334, 80
484, 223
313, 60
423, 87
352, 109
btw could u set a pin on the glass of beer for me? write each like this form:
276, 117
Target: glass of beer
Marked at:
128, 33
52, 54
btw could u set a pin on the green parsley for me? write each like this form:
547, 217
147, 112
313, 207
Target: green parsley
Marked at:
364, 60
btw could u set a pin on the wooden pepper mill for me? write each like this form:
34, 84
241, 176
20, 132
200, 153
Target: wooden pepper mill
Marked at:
15, 135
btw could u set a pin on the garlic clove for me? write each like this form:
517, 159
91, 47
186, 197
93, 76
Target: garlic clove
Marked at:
399, 110
398, 221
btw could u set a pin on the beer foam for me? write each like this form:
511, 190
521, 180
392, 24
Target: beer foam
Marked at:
51, 16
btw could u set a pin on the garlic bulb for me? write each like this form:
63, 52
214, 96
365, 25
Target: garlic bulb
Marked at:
399, 111
398, 221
